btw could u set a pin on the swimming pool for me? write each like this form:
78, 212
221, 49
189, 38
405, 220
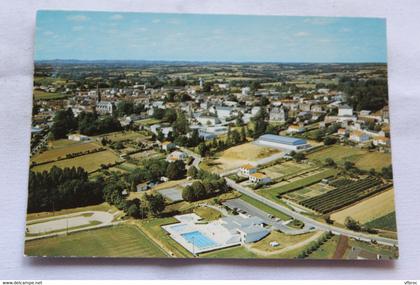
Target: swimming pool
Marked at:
198, 239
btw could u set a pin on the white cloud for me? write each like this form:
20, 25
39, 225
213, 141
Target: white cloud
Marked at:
345, 30
155, 21
142, 29
301, 34
116, 17
77, 18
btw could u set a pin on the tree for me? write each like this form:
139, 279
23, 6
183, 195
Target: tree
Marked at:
133, 211
176, 170
203, 149
329, 141
299, 157
330, 162
387, 172
170, 116
352, 224
180, 125
348, 165
155, 204
192, 172
243, 134
63, 122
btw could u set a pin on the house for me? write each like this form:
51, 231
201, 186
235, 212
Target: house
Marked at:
259, 178
142, 187
381, 141
278, 114
283, 142
295, 129
223, 112
342, 131
345, 110
245, 91
358, 136
247, 169
77, 138
208, 120
167, 145
176, 155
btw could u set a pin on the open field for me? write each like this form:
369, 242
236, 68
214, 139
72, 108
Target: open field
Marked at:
61, 152
236, 156
285, 168
327, 250
283, 240
123, 136
147, 154
147, 122
208, 214
89, 162
232, 252
272, 193
369, 209
105, 207
387, 222
363, 159
122, 241
61, 143
42, 95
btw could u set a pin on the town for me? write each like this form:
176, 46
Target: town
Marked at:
222, 160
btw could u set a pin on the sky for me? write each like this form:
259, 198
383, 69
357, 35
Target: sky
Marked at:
193, 37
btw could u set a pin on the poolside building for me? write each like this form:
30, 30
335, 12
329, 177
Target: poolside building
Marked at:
283, 142
259, 178
247, 169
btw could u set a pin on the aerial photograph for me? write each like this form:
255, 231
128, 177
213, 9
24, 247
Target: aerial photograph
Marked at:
210, 136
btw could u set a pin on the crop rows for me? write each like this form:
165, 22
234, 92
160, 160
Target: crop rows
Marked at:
344, 195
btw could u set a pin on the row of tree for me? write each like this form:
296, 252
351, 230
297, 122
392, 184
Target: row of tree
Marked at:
209, 185
86, 123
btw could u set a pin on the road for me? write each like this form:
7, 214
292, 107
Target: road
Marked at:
254, 211
309, 221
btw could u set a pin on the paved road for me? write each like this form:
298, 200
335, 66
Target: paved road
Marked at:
309, 221
254, 211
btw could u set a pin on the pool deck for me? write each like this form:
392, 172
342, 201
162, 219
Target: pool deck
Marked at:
217, 236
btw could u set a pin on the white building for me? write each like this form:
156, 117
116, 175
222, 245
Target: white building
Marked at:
278, 114
247, 169
283, 142
358, 136
345, 110
167, 145
208, 120
78, 138
259, 178
245, 91
295, 129
176, 155
104, 107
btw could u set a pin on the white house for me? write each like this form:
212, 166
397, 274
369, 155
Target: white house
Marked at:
295, 129
345, 110
176, 155
247, 169
358, 136
259, 178
104, 107
278, 114
78, 138
208, 120
381, 141
167, 145
245, 91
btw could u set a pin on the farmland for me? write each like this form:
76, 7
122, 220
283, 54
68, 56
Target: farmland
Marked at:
274, 192
387, 222
42, 95
285, 169
344, 195
123, 240
90, 162
309, 192
61, 152
369, 209
363, 159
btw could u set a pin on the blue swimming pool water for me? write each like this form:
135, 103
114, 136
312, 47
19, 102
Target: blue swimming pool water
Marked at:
199, 240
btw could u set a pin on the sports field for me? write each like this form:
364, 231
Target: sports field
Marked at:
89, 162
121, 241
369, 209
61, 152
362, 158
309, 192
123, 136
238, 155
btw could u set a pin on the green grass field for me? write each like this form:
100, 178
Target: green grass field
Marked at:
63, 147
121, 241
233, 252
265, 207
42, 95
363, 159
272, 193
325, 251
89, 162
387, 222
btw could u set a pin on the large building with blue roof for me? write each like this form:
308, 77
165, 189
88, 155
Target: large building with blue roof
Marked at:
283, 142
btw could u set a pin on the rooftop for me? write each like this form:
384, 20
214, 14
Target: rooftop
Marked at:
282, 139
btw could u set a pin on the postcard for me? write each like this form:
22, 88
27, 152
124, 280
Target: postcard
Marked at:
210, 136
